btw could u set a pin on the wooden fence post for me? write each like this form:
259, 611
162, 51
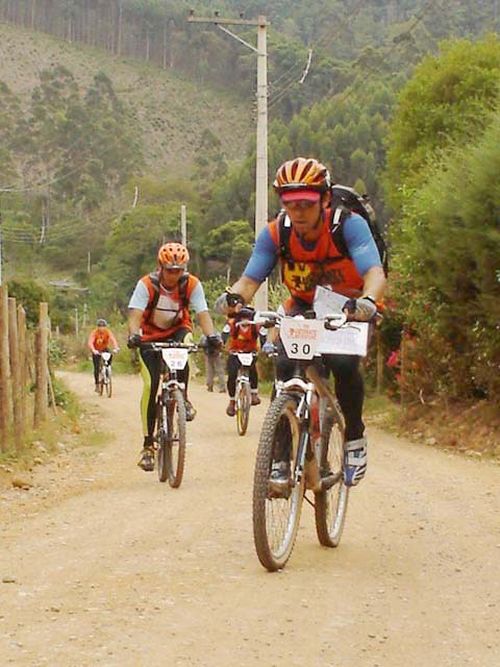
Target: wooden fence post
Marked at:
15, 373
42, 369
23, 367
5, 395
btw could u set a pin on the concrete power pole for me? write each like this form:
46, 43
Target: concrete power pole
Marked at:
261, 212
183, 225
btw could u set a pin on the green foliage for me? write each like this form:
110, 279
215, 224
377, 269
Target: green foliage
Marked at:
448, 100
446, 258
230, 244
346, 134
28, 294
131, 249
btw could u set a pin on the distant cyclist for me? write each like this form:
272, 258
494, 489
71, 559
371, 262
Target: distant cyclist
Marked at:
240, 335
101, 339
159, 311
313, 258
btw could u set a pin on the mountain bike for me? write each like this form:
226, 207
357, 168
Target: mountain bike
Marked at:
170, 429
304, 431
243, 393
104, 379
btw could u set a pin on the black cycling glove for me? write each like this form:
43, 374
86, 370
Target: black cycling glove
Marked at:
134, 340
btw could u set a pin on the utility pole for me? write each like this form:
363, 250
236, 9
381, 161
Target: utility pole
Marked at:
1, 249
183, 225
261, 212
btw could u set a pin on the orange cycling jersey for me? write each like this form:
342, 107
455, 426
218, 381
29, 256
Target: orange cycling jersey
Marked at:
167, 310
323, 264
242, 338
101, 339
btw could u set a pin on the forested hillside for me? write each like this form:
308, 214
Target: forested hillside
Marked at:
169, 113
75, 126
341, 35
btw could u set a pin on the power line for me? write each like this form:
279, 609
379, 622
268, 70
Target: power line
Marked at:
401, 38
38, 186
340, 24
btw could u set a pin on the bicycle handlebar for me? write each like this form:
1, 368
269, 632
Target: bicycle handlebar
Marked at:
270, 318
157, 346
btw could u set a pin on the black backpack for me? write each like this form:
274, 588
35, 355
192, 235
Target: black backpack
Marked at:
345, 200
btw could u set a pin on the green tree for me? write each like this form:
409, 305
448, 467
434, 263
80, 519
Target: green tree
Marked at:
446, 252
447, 100
231, 245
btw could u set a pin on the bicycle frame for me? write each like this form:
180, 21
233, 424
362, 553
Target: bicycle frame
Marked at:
169, 366
307, 382
306, 461
299, 449
170, 434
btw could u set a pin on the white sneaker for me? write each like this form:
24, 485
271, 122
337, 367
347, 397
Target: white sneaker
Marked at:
355, 461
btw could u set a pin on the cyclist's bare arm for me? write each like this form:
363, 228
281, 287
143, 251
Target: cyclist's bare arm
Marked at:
134, 320
245, 287
205, 322
374, 283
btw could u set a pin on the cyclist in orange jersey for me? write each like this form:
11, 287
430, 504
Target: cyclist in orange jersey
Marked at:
159, 311
101, 339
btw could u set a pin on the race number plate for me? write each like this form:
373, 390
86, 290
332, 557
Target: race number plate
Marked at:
352, 338
300, 337
245, 358
175, 358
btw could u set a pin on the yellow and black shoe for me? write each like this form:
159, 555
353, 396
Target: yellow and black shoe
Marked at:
190, 411
147, 460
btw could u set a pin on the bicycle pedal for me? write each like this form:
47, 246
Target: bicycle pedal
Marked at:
330, 480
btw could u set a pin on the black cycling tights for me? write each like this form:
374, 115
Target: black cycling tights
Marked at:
233, 365
348, 385
152, 362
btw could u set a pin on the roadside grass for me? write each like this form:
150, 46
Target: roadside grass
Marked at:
70, 427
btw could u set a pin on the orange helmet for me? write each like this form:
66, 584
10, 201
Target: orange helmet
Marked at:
173, 256
302, 174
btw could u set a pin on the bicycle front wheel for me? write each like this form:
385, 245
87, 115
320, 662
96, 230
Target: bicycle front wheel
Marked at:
175, 451
276, 513
243, 401
330, 505
162, 439
109, 384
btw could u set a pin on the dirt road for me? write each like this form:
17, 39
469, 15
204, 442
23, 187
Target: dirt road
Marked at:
103, 565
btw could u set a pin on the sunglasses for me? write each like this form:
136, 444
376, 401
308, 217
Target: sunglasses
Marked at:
171, 269
299, 205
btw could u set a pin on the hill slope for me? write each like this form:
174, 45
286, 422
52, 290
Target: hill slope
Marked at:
171, 113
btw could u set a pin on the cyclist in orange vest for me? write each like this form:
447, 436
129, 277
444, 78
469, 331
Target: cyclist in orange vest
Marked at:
100, 340
312, 257
240, 335
159, 311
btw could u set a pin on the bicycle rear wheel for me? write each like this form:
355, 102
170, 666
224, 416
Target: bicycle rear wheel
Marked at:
175, 451
330, 505
276, 517
243, 401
